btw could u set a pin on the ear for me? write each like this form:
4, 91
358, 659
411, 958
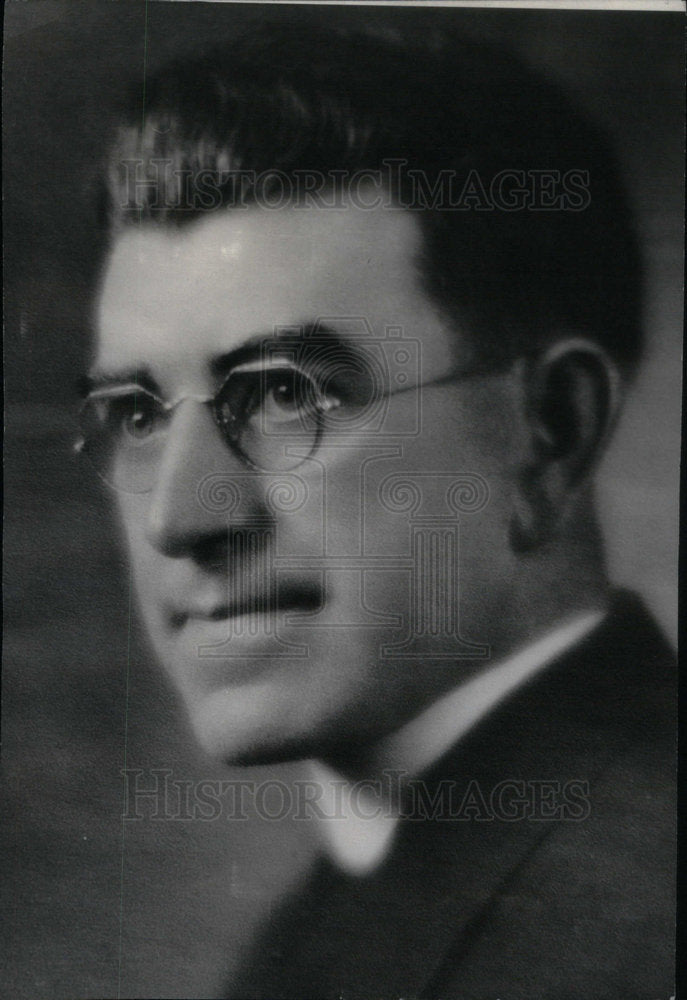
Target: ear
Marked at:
571, 400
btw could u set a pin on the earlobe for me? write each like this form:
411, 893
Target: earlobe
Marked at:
533, 517
571, 401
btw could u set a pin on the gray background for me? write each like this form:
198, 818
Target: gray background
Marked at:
155, 909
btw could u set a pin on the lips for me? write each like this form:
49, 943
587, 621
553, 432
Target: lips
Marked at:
209, 604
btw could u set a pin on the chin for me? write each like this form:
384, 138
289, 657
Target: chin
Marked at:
245, 729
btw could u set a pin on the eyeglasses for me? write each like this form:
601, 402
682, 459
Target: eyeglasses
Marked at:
271, 414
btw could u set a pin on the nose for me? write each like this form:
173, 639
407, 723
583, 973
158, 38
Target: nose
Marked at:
179, 522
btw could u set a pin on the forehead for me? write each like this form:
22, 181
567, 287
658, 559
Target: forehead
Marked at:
172, 297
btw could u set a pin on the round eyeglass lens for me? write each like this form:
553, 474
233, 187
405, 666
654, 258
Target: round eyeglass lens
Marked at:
273, 416
122, 436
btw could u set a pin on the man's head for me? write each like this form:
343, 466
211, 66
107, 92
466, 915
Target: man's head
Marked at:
348, 271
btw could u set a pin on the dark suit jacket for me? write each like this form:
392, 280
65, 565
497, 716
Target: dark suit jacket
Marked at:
574, 903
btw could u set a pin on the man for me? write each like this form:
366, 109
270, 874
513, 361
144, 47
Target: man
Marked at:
363, 330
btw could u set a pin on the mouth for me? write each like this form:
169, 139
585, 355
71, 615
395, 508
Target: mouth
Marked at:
211, 607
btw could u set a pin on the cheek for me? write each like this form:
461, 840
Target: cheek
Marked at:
131, 510
143, 559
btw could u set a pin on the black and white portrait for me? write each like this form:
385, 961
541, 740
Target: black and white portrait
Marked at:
343, 374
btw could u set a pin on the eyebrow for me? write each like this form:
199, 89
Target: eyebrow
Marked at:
87, 384
252, 349
298, 335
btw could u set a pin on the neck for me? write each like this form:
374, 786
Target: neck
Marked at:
550, 588
565, 577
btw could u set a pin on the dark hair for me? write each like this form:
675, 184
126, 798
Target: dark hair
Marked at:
283, 102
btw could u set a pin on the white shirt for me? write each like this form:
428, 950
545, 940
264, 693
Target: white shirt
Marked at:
357, 823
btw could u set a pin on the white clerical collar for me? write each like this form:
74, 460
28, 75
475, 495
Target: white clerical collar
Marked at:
358, 822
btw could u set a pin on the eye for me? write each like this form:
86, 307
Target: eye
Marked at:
290, 394
275, 397
287, 394
132, 417
353, 378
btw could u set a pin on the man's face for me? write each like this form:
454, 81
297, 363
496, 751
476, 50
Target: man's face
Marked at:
270, 598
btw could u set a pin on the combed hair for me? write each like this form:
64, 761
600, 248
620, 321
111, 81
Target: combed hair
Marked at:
300, 100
